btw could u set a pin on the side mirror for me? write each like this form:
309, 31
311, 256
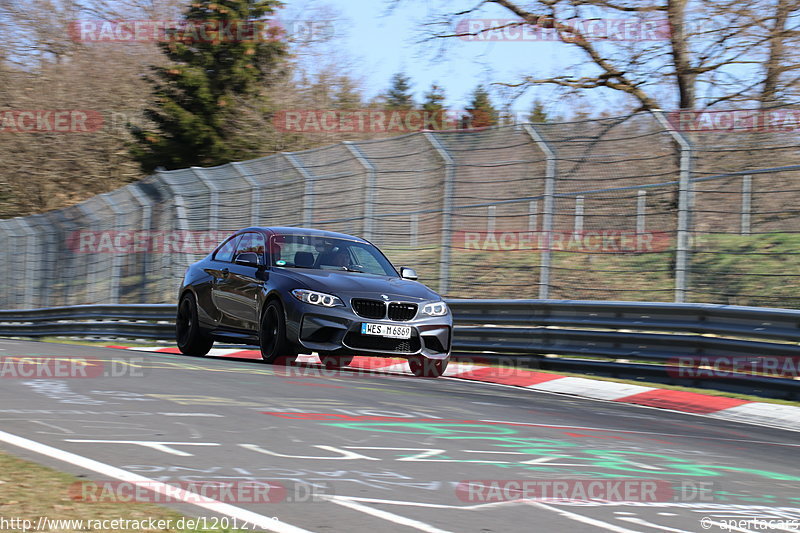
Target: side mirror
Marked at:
408, 273
248, 259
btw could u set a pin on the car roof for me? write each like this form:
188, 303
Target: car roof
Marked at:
303, 231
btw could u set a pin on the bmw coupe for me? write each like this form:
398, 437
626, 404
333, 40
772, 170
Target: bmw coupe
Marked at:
296, 290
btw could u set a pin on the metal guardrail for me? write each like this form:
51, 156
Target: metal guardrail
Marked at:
126, 321
531, 332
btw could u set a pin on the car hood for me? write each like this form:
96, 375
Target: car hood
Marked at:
362, 285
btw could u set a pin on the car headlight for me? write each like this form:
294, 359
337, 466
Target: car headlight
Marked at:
317, 298
435, 309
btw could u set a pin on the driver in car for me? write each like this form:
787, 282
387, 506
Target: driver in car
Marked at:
330, 255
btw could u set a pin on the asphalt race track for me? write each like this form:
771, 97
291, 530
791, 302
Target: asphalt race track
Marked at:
387, 453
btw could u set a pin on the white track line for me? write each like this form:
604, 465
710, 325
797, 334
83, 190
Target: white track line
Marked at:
385, 515
584, 519
746, 510
640, 522
243, 515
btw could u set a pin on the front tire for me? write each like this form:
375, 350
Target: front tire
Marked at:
191, 340
275, 348
422, 367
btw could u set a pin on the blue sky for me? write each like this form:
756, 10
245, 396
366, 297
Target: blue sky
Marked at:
381, 43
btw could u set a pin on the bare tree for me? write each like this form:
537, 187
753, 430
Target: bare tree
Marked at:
660, 53
44, 69
781, 67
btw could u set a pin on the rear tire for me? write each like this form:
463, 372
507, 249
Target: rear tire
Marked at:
336, 362
275, 348
191, 340
422, 367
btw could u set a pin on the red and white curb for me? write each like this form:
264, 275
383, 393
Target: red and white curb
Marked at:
758, 413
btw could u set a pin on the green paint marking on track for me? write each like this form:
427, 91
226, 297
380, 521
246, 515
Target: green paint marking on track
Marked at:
572, 454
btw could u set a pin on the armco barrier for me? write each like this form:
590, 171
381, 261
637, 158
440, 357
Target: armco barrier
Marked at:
528, 331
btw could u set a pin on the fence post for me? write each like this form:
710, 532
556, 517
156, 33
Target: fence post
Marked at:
747, 200
147, 223
177, 267
369, 190
5, 264
255, 210
213, 190
30, 253
180, 213
684, 207
533, 208
308, 195
414, 231
92, 274
47, 232
548, 209
8, 226
447, 211
116, 263
183, 225
578, 217
491, 221
641, 212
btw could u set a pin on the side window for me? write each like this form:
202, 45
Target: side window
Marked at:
366, 259
287, 251
252, 242
260, 247
225, 252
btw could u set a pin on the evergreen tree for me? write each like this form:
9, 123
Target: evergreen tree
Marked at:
399, 94
348, 94
433, 106
318, 94
538, 113
208, 101
481, 111
506, 116
434, 99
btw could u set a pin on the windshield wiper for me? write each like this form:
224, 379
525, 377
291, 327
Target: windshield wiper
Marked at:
349, 269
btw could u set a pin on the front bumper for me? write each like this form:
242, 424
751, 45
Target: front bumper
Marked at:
337, 331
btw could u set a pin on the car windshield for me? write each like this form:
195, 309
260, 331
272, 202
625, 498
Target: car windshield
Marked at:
328, 253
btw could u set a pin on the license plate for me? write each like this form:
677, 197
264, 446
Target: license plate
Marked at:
386, 330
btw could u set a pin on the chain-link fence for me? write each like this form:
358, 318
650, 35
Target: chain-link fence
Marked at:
628, 208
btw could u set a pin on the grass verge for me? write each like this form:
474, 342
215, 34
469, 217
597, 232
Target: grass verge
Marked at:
29, 491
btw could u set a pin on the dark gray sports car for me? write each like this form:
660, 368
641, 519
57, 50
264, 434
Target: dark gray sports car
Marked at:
295, 290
